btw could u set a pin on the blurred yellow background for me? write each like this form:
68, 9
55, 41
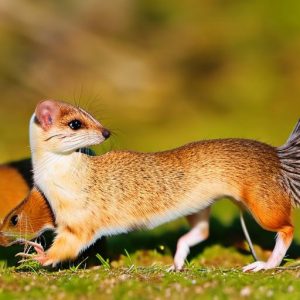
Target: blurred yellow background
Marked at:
158, 73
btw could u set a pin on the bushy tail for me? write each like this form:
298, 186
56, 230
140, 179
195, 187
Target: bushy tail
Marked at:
289, 155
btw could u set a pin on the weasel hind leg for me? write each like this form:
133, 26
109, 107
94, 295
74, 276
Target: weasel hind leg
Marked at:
198, 233
273, 213
283, 242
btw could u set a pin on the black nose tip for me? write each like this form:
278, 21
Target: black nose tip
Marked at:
106, 133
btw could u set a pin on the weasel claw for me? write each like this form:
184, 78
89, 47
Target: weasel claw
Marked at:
42, 259
173, 268
40, 256
24, 255
24, 260
38, 247
256, 266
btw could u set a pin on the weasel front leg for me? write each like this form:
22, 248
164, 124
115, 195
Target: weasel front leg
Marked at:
199, 232
283, 242
66, 246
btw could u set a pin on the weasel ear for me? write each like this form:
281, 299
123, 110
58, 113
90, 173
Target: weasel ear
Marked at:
46, 112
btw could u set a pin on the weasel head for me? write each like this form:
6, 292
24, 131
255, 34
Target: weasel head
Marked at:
28, 220
62, 128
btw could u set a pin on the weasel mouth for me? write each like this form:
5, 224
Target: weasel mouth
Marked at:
6, 240
3, 240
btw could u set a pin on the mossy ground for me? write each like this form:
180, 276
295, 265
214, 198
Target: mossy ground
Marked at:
200, 280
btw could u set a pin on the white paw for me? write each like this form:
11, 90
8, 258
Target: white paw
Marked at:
257, 266
171, 269
175, 267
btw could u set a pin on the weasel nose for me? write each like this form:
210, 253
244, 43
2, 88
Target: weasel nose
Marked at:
106, 133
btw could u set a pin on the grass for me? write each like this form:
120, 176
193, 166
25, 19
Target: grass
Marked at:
151, 282
104, 262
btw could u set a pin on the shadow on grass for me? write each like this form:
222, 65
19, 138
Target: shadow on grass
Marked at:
228, 236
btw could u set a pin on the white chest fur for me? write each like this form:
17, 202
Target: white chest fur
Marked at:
60, 179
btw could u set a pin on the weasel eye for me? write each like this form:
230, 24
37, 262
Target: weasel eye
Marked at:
14, 220
75, 124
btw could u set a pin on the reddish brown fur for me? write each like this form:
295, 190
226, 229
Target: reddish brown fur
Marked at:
287, 233
34, 215
250, 169
13, 187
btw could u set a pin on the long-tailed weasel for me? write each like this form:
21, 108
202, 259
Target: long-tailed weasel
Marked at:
122, 190
31, 218
27, 220
15, 183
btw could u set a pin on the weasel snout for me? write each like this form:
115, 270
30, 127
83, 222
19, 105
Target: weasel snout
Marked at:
3, 240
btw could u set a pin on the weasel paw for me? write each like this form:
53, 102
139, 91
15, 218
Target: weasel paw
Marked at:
40, 256
256, 266
44, 260
175, 268
171, 269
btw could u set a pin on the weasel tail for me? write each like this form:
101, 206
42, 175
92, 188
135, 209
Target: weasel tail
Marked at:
289, 155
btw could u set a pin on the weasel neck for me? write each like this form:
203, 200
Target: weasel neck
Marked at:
53, 167
60, 178
49, 161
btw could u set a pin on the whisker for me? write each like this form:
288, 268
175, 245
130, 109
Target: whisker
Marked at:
54, 136
7, 234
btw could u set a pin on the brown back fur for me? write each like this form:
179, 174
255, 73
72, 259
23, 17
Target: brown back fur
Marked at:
129, 188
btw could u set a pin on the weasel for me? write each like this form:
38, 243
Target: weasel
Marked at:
15, 183
31, 218
28, 220
123, 190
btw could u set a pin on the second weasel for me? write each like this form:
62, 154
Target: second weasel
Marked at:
28, 220
15, 183
122, 190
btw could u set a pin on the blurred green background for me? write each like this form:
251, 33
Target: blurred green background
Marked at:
158, 73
